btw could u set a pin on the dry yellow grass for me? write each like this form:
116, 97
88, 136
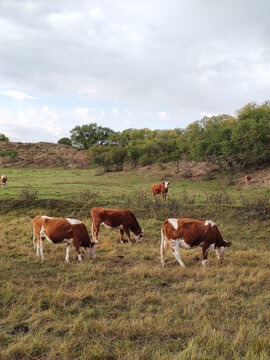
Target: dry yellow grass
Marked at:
124, 305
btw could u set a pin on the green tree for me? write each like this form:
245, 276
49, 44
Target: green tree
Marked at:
251, 135
65, 141
3, 137
88, 135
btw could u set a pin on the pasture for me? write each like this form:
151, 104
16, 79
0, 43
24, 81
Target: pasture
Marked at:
123, 304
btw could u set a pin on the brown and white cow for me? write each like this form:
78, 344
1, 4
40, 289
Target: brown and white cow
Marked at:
60, 231
3, 180
118, 219
247, 179
160, 189
189, 234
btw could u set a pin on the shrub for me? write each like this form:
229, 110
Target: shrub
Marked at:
65, 141
186, 198
11, 153
3, 137
28, 194
219, 198
88, 195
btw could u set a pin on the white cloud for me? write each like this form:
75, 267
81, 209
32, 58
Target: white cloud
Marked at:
198, 56
128, 113
162, 115
88, 91
17, 95
128, 122
26, 125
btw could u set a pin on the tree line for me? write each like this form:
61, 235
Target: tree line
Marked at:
232, 142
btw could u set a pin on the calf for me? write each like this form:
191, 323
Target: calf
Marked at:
160, 189
115, 218
59, 231
3, 180
247, 179
189, 234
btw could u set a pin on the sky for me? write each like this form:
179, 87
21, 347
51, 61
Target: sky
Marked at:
159, 64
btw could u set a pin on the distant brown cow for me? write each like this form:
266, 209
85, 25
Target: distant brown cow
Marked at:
60, 231
3, 180
189, 234
247, 179
36, 146
160, 189
115, 218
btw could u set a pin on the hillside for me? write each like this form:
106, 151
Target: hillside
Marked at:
41, 154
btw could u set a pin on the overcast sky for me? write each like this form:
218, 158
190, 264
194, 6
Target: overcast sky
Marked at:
126, 63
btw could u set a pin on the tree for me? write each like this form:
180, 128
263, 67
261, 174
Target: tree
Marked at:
251, 135
3, 138
65, 141
89, 135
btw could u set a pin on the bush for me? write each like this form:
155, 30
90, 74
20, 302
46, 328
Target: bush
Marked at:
219, 198
3, 137
11, 153
65, 141
28, 194
88, 195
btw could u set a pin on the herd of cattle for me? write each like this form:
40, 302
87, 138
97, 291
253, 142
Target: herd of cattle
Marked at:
175, 233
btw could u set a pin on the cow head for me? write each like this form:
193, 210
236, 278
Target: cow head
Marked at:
166, 184
90, 251
221, 250
139, 236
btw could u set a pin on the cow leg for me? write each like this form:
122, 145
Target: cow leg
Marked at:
95, 231
37, 244
34, 239
37, 247
67, 252
41, 249
128, 234
77, 247
162, 249
153, 197
176, 253
121, 236
205, 249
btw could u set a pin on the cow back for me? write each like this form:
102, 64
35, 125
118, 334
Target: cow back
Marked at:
193, 231
115, 218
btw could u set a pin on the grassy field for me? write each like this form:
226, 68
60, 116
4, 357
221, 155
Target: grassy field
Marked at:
123, 304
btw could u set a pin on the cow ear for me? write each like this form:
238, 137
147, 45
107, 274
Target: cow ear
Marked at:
168, 183
163, 183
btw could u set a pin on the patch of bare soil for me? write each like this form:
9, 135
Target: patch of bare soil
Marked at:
41, 155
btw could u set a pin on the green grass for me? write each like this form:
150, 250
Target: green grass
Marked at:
70, 183
123, 304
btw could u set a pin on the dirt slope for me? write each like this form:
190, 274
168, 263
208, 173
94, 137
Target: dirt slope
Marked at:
42, 154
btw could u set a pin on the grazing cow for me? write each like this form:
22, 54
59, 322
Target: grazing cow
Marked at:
115, 218
160, 189
59, 231
247, 179
3, 180
37, 147
189, 234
